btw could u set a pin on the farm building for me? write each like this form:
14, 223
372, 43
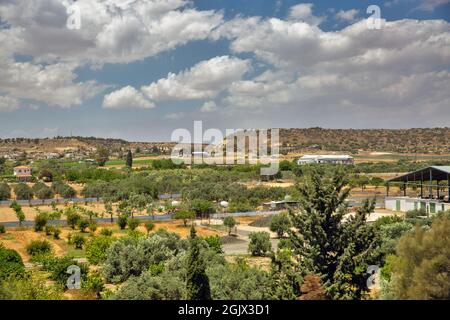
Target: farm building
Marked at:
430, 189
22, 172
320, 158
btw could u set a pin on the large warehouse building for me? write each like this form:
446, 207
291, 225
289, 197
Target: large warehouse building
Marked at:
430, 188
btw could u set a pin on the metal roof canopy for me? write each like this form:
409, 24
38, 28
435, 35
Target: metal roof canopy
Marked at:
433, 173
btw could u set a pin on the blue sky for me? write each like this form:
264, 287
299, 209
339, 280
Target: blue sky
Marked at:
233, 64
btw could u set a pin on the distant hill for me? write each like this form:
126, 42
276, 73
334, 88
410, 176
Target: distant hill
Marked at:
430, 140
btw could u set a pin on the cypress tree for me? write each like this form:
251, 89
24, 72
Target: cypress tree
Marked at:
324, 243
197, 281
129, 160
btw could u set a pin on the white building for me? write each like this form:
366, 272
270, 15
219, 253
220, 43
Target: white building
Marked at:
320, 158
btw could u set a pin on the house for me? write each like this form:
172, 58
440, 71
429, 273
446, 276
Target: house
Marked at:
22, 172
329, 159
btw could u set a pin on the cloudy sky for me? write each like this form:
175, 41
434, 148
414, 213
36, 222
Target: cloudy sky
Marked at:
138, 69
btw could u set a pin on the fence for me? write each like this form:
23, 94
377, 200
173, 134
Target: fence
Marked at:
243, 214
36, 202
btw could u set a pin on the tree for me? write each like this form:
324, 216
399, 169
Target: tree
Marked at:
67, 192
129, 159
23, 192
324, 243
133, 223
201, 207
280, 224
421, 268
42, 191
40, 221
46, 175
5, 192
96, 249
149, 226
11, 264
259, 243
109, 208
197, 283
122, 221
19, 212
376, 182
184, 215
229, 222
102, 156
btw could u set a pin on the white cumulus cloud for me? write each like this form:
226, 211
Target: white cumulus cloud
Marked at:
126, 97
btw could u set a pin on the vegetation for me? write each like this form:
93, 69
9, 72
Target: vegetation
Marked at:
184, 215
280, 224
259, 243
197, 282
11, 264
18, 211
39, 247
229, 222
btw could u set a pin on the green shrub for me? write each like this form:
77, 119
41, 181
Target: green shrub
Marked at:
96, 249
78, 240
57, 266
93, 283
214, 243
40, 221
122, 221
5, 192
56, 233
72, 218
38, 247
259, 243
93, 226
411, 214
229, 222
106, 232
149, 226
133, 223
23, 191
83, 224
11, 264
280, 224
2, 228
49, 230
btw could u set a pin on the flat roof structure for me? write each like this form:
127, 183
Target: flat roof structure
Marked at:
430, 178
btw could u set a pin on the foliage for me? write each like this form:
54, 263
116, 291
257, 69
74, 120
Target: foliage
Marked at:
129, 159
18, 211
96, 249
197, 282
238, 282
83, 224
229, 222
280, 224
41, 191
2, 228
184, 215
102, 156
72, 216
149, 226
324, 244
5, 191
32, 286
56, 233
57, 266
38, 247
259, 243
420, 270
122, 221
214, 243
40, 221
106, 232
148, 287
78, 240
93, 283
11, 264
23, 191
131, 256
133, 223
